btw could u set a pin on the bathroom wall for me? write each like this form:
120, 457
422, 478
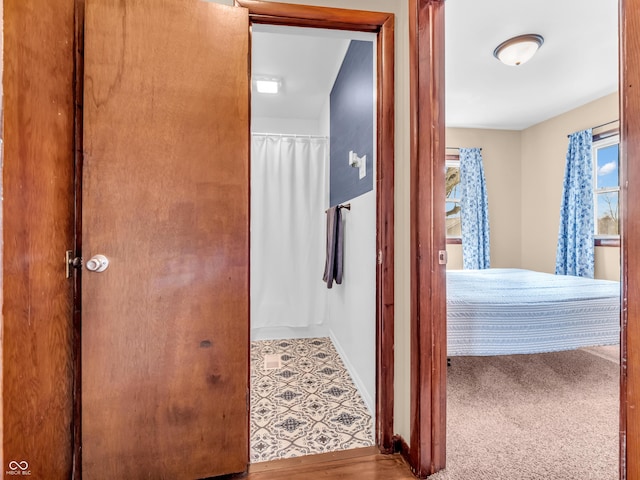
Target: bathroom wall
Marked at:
350, 319
402, 310
351, 313
352, 124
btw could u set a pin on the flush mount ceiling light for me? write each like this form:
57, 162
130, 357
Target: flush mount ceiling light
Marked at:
267, 85
518, 50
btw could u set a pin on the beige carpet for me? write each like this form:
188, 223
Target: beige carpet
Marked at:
519, 417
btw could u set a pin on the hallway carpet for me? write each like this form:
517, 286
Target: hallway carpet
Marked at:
303, 401
519, 417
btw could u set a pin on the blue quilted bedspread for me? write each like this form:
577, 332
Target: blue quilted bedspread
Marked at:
507, 311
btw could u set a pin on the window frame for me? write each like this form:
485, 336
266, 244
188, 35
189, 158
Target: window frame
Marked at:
604, 140
452, 160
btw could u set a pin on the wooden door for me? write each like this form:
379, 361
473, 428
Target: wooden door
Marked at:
165, 199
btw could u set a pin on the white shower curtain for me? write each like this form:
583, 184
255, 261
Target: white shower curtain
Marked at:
288, 199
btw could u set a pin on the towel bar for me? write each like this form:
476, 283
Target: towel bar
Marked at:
347, 206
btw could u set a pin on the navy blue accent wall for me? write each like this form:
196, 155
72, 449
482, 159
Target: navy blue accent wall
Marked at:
351, 128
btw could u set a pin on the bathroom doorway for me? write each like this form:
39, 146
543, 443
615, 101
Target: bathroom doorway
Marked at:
313, 155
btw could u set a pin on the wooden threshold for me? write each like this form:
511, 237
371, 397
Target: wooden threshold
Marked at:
286, 463
356, 463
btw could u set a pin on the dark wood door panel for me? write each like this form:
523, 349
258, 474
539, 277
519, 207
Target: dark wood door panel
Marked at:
37, 229
165, 198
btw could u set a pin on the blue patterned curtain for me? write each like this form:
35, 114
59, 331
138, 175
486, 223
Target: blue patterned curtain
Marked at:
474, 210
575, 238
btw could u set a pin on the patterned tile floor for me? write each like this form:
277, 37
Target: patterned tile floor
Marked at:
308, 405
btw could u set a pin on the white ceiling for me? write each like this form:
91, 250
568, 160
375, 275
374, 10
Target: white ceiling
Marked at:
307, 60
576, 64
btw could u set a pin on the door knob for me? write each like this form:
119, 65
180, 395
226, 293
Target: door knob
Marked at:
98, 263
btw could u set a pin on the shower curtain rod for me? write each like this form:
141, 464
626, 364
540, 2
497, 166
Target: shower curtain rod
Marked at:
295, 135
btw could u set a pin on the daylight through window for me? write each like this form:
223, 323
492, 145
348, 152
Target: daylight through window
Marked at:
452, 191
606, 186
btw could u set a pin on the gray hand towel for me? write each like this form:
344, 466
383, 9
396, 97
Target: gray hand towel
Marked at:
333, 263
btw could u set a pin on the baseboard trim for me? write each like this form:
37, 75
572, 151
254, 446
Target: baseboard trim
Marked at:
360, 385
400, 446
281, 332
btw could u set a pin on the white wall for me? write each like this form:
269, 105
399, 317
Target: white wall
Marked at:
351, 312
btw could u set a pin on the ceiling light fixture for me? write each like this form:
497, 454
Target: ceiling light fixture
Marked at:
518, 50
268, 85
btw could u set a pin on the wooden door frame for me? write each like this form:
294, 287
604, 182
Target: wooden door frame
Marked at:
428, 279
427, 450
383, 24
629, 49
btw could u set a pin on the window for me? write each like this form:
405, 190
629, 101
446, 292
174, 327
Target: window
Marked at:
606, 187
452, 200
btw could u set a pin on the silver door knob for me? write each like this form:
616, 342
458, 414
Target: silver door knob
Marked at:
98, 263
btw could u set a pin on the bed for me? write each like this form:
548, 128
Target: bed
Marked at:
504, 311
